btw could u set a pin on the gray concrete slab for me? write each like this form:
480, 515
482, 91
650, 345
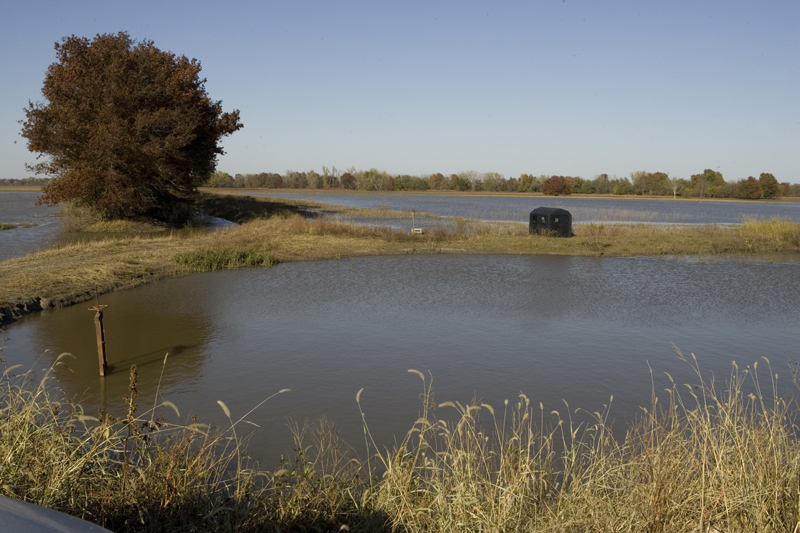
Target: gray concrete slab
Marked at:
21, 517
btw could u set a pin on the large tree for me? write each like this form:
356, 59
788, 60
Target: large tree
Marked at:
770, 188
707, 183
127, 130
557, 185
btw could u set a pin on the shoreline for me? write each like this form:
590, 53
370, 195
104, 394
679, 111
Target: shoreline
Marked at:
287, 231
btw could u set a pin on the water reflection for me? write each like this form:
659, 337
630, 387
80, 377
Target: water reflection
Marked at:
488, 327
140, 330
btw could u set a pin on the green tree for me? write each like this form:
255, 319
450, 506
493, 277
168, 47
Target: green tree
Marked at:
770, 188
220, 179
127, 130
707, 183
525, 183
460, 183
581, 186
601, 184
622, 186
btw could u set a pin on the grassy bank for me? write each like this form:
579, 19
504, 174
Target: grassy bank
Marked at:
19, 188
275, 231
706, 460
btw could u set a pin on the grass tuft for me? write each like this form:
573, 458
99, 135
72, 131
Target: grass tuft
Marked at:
772, 235
213, 259
5, 225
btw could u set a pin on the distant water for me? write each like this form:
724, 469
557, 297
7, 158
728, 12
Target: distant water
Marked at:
584, 210
21, 208
41, 226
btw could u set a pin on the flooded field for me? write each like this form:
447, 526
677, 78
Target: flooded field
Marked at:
584, 210
486, 327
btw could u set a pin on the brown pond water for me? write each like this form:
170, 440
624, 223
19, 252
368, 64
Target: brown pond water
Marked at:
486, 327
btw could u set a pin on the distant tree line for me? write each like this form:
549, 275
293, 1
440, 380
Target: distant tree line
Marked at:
26, 182
707, 184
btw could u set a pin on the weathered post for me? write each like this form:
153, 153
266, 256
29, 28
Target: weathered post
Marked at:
101, 338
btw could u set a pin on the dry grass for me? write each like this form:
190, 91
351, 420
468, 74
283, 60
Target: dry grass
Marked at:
711, 458
774, 235
708, 460
72, 273
20, 188
80, 219
133, 473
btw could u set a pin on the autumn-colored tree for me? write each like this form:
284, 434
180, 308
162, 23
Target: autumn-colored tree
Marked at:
437, 181
749, 189
348, 181
127, 130
556, 185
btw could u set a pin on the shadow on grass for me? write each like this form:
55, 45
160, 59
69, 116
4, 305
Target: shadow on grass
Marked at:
241, 209
203, 518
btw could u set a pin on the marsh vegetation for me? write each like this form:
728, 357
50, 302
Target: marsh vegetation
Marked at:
715, 458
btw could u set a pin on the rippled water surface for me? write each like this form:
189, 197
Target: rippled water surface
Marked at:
486, 327
517, 208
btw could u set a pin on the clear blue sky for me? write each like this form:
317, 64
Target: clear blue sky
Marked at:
571, 87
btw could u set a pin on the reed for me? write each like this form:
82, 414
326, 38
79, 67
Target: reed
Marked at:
132, 473
710, 459
211, 260
772, 235
5, 225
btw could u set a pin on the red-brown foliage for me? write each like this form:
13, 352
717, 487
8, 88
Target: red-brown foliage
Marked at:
128, 130
557, 185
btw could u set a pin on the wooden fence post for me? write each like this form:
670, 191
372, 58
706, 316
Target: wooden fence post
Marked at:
101, 338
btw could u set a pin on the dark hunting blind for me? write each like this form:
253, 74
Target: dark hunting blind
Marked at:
551, 220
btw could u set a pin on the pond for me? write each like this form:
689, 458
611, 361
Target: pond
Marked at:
584, 210
486, 327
